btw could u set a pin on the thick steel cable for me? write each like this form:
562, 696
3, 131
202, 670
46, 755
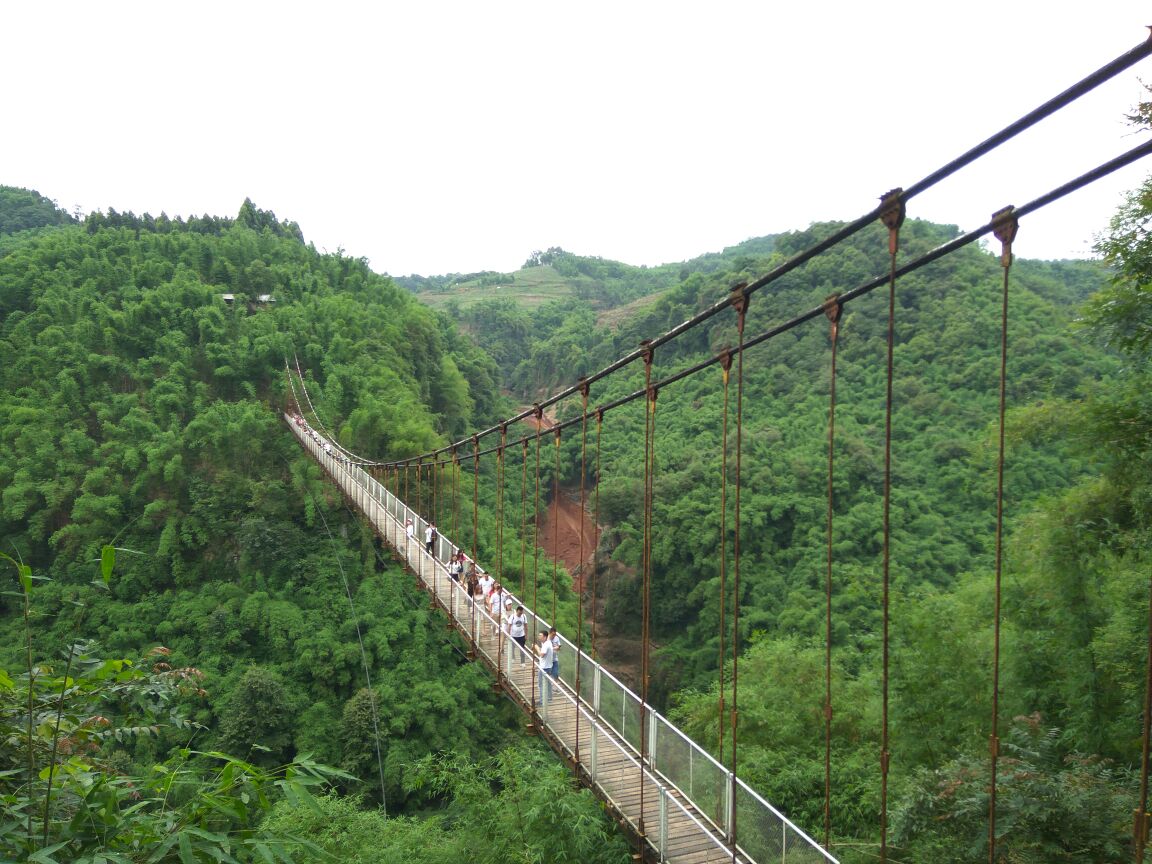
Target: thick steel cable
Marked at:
1135, 154
892, 217
1005, 233
1103, 170
726, 369
1062, 100
739, 301
833, 309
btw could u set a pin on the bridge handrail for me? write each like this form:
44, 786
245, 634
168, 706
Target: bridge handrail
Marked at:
656, 769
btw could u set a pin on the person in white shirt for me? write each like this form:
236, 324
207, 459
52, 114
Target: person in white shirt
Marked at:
544, 652
495, 604
554, 638
518, 630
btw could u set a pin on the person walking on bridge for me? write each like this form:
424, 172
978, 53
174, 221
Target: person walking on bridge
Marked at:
495, 604
554, 638
544, 652
518, 630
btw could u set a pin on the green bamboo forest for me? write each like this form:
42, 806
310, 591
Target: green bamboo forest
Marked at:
207, 656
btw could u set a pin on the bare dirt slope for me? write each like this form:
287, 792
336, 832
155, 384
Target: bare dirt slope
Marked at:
560, 535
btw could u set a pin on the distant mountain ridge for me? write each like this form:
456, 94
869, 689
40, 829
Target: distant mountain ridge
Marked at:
555, 274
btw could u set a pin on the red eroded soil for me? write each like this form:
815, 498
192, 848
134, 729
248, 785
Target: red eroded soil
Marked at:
560, 536
560, 531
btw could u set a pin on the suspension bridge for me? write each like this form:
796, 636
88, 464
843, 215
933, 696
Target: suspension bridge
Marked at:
677, 801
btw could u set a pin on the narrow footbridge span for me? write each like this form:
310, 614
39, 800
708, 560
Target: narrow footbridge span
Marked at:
679, 804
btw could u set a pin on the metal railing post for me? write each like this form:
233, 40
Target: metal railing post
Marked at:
594, 754
652, 726
729, 801
663, 835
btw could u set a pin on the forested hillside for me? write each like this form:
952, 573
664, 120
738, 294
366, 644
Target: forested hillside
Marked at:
1076, 549
144, 375
144, 380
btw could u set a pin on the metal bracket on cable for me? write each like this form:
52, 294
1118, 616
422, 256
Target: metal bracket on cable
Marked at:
833, 308
648, 353
725, 357
738, 297
892, 215
1004, 226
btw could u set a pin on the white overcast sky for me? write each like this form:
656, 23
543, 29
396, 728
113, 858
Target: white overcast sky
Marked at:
437, 137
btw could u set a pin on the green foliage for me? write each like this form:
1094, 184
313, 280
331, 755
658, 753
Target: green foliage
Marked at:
257, 719
134, 393
350, 833
1083, 670
1053, 806
520, 805
137, 402
71, 793
517, 806
26, 209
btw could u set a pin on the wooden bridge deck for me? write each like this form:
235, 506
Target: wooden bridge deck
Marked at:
665, 824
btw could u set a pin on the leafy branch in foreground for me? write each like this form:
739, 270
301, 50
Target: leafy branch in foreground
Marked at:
64, 790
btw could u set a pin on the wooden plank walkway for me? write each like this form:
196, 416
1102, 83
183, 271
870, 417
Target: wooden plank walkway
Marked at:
663, 821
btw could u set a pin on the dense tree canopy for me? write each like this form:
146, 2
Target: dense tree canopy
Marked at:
146, 364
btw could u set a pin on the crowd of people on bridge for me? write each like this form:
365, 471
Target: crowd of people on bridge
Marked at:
505, 617
480, 589
320, 440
